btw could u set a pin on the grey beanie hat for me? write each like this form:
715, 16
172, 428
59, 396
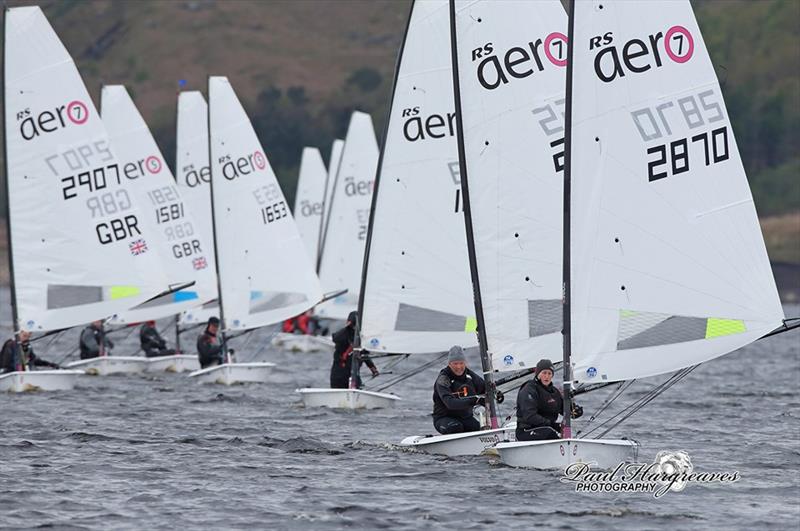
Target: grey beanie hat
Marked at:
456, 354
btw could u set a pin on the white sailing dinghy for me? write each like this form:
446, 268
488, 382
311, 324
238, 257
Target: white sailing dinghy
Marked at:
330, 183
263, 270
193, 176
665, 264
510, 194
187, 254
345, 235
308, 206
78, 242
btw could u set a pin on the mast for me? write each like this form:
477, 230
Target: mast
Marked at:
177, 120
566, 430
14, 313
378, 171
214, 232
325, 218
486, 360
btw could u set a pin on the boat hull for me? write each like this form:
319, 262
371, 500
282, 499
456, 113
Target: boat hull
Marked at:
106, 365
470, 443
234, 373
346, 398
302, 343
51, 380
175, 363
560, 453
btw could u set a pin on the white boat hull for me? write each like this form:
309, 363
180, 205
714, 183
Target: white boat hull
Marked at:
470, 443
105, 365
560, 453
346, 398
175, 363
50, 380
302, 343
234, 373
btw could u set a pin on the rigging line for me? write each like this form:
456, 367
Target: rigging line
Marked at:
412, 372
623, 385
681, 377
646, 397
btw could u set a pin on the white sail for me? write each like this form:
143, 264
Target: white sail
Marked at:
346, 234
265, 273
668, 264
333, 170
418, 292
194, 182
186, 254
512, 79
80, 249
309, 198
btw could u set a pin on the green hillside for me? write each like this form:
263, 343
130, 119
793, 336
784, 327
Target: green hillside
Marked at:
302, 66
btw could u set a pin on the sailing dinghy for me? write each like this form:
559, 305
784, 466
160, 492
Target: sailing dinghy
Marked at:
187, 253
193, 172
263, 270
664, 262
510, 194
78, 241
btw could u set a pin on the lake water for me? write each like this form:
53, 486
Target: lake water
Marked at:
161, 452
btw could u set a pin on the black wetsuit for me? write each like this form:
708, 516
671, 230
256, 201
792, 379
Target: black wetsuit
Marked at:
11, 358
538, 408
452, 410
209, 352
91, 339
343, 359
152, 343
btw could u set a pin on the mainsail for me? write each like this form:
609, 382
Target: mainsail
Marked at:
309, 199
417, 292
668, 264
343, 245
186, 254
512, 79
194, 182
80, 249
265, 275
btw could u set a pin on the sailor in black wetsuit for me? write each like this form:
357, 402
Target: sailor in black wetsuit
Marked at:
209, 350
539, 403
454, 395
151, 341
94, 342
343, 356
19, 355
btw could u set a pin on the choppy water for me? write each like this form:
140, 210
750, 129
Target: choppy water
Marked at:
160, 452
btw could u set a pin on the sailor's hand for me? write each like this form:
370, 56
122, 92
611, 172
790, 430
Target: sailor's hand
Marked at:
499, 396
577, 411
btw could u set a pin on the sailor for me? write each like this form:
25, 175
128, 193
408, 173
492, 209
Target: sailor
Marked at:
151, 341
93, 342
306, 324
209, 349
19, 356
343, 356
539, 404
455, 393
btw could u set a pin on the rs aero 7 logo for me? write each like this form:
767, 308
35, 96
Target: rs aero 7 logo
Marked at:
637, 56
498, 67
33, 124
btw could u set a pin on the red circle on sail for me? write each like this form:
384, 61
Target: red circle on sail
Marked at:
689, 40
548, 41
153, 164
261, 160
77, 112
